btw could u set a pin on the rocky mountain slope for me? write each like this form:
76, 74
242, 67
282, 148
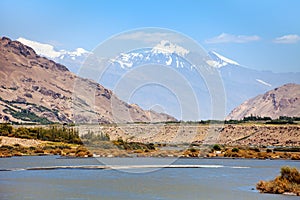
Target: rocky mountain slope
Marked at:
282, 101
36, 89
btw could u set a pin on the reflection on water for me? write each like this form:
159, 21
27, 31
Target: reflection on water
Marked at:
204, 179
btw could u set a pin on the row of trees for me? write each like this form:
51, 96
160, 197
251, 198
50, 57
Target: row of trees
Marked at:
53, 133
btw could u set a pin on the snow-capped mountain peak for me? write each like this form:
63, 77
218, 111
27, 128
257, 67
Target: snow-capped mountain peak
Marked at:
169, 54
225, 59
219, 61
166, 46
164, 53
78, 52
48, 50
72, 59
41, 48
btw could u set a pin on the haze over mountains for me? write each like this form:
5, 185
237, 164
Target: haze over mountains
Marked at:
240, 83
36, 89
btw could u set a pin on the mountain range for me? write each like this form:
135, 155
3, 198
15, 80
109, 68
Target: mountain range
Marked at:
36, 89
240, 83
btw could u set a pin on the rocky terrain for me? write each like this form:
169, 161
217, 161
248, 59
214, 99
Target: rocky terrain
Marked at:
258, 141
36, 89
243, 134
24, 142
282, 101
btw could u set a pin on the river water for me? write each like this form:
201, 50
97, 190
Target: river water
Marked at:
49, 177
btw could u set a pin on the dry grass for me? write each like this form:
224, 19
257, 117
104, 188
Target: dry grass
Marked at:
287, 182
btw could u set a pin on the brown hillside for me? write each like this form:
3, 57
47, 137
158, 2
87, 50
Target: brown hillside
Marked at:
282, 101
35, 89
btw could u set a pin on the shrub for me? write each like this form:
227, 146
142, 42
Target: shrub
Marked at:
22, 133
56, 152
81, 154
291, 174
216, 147
63, 147
288, 181
138, 151
81, 149
17, 145
295, 157
39, 151
236, 150
6, 147
5, 129
32, 148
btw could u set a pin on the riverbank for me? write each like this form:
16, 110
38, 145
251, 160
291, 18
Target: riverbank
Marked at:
10, 146
258, 141
245, 134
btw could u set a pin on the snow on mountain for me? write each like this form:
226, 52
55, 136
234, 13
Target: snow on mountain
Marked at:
72, 59
225, 59
48, 50
263, 82
168, 48
42, 49
164, 53
169, 54
219, 61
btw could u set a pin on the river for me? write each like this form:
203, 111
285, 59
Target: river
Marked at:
49, 177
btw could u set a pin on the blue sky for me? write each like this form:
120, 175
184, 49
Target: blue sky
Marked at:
262, 35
